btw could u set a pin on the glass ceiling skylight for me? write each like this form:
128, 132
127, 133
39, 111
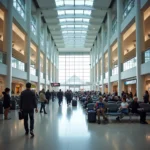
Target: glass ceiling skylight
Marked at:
75, 26
74, 12
74, 3
74, 22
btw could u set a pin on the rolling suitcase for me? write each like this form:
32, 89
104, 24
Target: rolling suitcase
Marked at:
91, 116
74, 103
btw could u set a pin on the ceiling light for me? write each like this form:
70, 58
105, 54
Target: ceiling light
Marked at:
69, 12
64, 26
87, 12
69, 19
62, 20
89, 2
86, 20
61, 12
69, 2
78, 19
78, 11
79, 2
59, 3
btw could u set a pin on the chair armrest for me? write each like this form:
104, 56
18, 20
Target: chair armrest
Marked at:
140, 109
130, 109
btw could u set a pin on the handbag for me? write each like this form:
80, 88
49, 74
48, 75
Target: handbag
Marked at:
20, 114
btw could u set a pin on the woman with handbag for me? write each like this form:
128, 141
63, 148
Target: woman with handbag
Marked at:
43, 100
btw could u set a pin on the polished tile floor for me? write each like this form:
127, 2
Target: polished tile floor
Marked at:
67, 129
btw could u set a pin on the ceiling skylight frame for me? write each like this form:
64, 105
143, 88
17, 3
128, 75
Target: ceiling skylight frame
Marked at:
74, 29
60, 3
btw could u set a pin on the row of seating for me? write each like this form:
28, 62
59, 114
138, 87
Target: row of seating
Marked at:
112, 109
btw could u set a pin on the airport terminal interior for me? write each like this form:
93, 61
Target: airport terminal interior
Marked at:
97, 52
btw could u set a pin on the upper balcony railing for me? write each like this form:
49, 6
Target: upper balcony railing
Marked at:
114, 25
128, 7
47, 78
18, 64
147, 56
100, 77
115, 70
129, 64
106, 75
42, 75
33, 70
42, 40
20, 7
33, 25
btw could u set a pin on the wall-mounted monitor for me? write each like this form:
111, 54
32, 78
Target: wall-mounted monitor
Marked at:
55, 84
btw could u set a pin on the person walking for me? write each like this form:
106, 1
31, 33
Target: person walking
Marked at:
48, 95
6, 103
60, 97
43, 100
69, 97
53, 95
27, 105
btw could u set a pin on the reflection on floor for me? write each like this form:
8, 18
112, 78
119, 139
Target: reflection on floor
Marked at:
67, 129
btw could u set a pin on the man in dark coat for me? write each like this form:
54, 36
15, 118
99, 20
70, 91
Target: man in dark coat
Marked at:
27, 104
48, 95
60, 97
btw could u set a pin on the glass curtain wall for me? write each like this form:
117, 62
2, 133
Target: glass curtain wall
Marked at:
74, 70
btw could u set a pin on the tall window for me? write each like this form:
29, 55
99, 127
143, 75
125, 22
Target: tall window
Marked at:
20, 7
74, 69
33, 24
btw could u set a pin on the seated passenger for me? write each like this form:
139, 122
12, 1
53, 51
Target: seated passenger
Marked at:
123, 108
100, 109
135, 108
88, 101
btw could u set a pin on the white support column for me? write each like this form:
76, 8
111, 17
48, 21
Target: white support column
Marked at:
54, 64
50, 53
8, 43
49, 47
119, 40
39, 50
102, 49
58, 66
28, 39
139, 40
98, 58
45, 58
109, 26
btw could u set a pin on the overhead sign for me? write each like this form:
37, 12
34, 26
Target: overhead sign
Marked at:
55, 84
130, 82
